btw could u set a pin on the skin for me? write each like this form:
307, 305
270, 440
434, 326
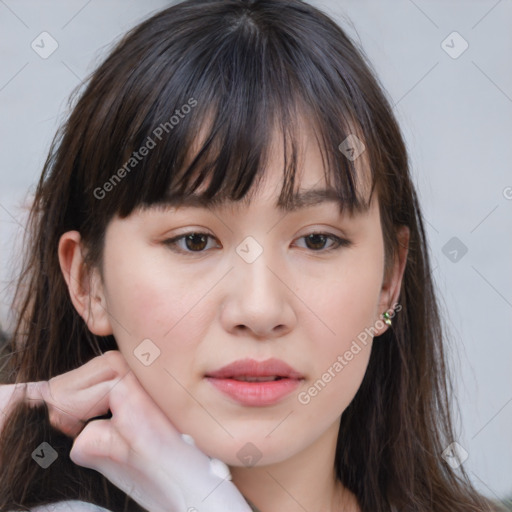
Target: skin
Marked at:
302, 304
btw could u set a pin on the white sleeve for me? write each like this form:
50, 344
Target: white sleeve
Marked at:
69, 506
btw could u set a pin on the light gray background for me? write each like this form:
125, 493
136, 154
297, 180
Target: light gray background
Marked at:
456, 114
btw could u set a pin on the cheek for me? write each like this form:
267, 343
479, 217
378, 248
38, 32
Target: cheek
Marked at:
151, 299
347, 303
348, 308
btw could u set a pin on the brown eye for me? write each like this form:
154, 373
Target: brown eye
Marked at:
194, 242
316, 242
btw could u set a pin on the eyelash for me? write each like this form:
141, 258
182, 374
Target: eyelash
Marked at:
338, 242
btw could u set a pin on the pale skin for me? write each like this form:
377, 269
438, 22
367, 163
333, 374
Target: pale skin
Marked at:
208, 308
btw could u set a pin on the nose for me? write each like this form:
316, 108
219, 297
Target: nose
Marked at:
259, 301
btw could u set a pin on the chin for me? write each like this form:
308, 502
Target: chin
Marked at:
247, 451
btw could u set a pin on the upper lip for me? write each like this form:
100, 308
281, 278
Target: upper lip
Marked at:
252, 368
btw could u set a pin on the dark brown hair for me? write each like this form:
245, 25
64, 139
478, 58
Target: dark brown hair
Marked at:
245, 70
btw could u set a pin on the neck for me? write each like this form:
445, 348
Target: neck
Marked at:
305, 481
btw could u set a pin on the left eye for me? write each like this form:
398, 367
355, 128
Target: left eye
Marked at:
198, 242
314, 240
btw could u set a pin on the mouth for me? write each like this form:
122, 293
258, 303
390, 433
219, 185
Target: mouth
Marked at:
257, 379
245, 369
255, 384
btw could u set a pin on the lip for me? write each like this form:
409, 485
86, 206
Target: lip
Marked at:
252, 368
256, 394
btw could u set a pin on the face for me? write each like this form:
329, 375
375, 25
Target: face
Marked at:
253, 282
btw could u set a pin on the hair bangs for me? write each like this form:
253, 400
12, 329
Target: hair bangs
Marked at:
217, 112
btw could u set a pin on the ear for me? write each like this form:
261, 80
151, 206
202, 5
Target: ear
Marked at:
392, 282
84, 285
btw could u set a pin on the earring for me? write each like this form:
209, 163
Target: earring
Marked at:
387, 318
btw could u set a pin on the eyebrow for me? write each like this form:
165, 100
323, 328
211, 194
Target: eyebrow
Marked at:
304, 199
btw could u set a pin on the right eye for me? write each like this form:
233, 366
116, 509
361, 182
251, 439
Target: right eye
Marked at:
193, 242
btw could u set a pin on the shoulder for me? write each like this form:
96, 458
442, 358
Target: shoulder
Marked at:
69, 506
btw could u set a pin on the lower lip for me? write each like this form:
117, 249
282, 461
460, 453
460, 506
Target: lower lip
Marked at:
255, 394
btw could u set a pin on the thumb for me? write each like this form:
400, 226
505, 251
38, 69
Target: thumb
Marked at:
98, 443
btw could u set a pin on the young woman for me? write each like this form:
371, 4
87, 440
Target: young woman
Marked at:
226, 244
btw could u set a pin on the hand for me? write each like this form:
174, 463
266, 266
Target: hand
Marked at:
137, 449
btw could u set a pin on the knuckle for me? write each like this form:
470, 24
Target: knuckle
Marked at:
115, 360
89, 444
96, 442
110, 355
68, 425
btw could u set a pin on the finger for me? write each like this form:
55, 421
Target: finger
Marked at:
81, 394
105, 367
